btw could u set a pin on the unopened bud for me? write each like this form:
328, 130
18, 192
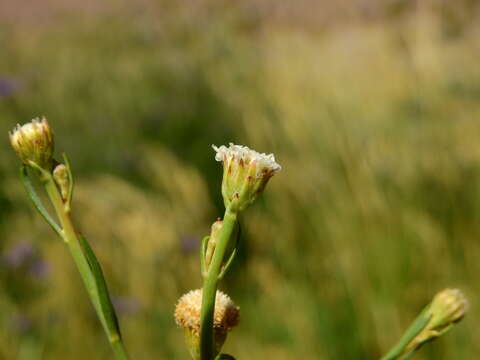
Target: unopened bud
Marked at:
61, 177
212, 241
187, 316
447, 308
245, 174
33, 142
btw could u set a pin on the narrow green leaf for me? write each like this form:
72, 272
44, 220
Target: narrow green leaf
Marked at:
106, 307
25, 177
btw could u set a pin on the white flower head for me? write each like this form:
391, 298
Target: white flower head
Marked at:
33, 142
245, 174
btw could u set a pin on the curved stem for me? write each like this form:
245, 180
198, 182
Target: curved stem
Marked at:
207, 350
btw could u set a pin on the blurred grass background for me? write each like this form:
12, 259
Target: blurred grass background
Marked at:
371, 107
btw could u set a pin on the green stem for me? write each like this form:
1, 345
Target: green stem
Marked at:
70, 237
207, 351
119, 350
401, 347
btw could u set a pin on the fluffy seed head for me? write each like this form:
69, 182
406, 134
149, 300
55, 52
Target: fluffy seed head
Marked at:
187, 312
245, 174
33, 142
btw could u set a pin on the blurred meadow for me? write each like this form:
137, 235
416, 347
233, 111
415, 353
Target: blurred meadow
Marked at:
371, 107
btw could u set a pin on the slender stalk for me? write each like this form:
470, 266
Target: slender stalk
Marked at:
210, 286
119, 350
403, 347
71, 238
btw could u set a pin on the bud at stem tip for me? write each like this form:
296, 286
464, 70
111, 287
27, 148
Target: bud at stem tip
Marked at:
33, 142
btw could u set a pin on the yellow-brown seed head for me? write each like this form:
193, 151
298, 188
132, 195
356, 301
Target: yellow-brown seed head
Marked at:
187, 312
187, 316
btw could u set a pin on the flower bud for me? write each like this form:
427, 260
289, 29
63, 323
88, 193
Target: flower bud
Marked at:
61, 177
187, 316
33, 142
245, 174
212, 241
447, 307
